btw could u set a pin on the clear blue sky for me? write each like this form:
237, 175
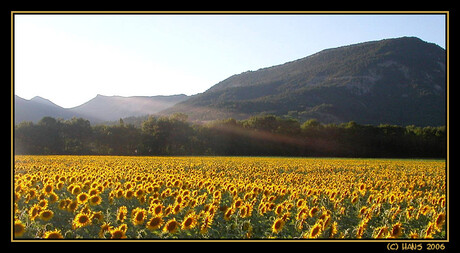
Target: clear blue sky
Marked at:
71, 58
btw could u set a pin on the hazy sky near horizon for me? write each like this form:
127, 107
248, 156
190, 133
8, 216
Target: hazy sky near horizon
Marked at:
69, 59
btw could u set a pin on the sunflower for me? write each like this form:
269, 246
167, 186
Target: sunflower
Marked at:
155, 223
333, 229
86, 210
429, 230
55, 234
237, 203
95, 200
46, 215
119, 232
206, 224
121, 213
362, 211
34, 211
302, 214
212, 209
326, 221
440, 220
179, 199
313, 211
189, 222
278, 225
362, 188
19, 228
279, 209
139, 193
192, 203
409, 212
315, 231
217, 195
167, 211
354, 200
171, 226
300, 203
392, 199
72, 206
176, 209
360, 230
93, 191
82, 198
129, 194
60, 185
119, 193
139, 216
396, 230
104, 229
43, 203
244, 211
32, 193
76, 190
81, 220
48, 189
413, 235
228, 213
53, 197
262, 209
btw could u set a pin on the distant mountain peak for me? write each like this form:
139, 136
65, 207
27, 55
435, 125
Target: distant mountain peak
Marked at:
99, 109
42, 100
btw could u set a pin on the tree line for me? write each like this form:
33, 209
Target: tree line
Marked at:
266, 135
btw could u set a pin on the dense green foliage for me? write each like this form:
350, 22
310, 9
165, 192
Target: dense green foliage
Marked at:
266, 135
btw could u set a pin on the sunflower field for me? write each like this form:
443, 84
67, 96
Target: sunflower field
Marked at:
109, 197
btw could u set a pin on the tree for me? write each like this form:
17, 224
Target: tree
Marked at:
49, 136
77, 134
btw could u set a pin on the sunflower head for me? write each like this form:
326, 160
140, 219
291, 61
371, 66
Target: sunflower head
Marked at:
155, 223
139, 216
315, 231
34, 211
396, 230
277, 225
46, 215
228, 213
95, 200
118, 233
55, 234
81, 220
171, 226
19, 228
121, 214
82, 198
53, 197
48, 189
189, 222
440, 220
72, 206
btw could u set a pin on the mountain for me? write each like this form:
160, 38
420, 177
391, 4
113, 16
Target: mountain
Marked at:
393, 81
97, 110
110, 108
37, 108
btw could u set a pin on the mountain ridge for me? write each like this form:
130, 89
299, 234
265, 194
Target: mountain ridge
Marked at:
396, 81
99, 109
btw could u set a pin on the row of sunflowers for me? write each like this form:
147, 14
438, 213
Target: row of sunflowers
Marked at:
108, 197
